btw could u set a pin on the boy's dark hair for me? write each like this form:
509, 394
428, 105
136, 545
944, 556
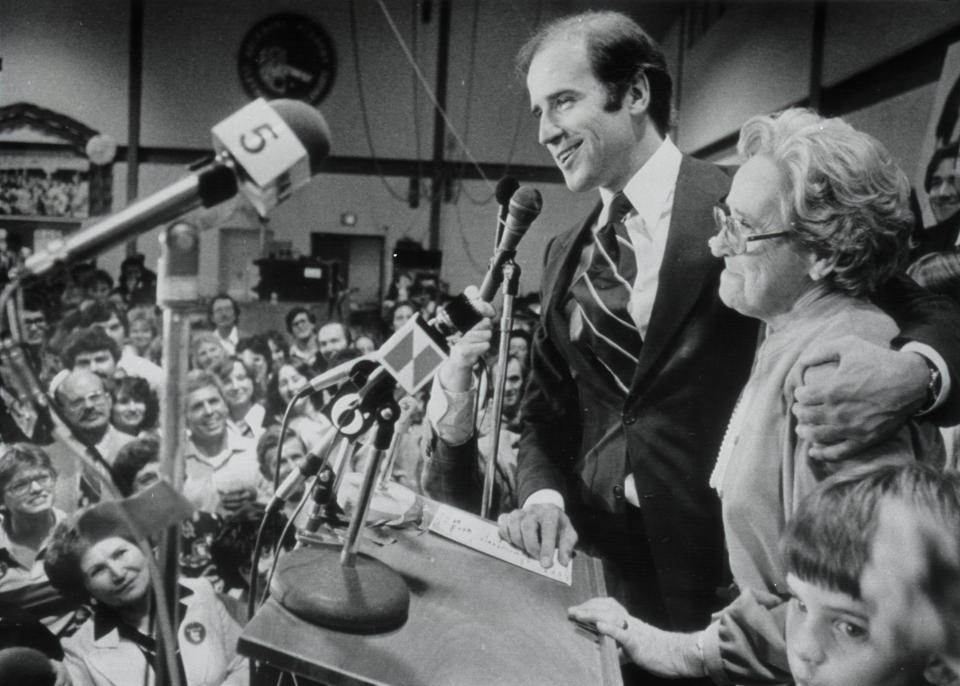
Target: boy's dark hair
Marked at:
101, 313
97, 276
828, 541
90, 339
619, 50
131, 458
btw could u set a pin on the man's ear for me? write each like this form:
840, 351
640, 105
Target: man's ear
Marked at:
638, 95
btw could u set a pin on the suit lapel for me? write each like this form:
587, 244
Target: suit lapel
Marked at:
687, 262
558, 274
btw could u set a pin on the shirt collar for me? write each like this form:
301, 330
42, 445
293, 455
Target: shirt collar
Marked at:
650, 188
106, 620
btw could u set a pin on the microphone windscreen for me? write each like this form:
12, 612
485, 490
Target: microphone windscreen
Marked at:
525, 205
309, 126
506, 187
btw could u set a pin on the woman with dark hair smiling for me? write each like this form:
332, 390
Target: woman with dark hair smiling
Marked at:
136, 409
94, 557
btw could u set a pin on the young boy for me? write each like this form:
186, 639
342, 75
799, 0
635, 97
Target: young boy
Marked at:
829, 633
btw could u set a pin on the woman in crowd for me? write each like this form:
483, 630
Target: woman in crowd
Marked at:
365, 343
255, 353
136, 409
306, 416
246, 413
279, 349
94, 558
27, 518
205, 350
816, 218
400, 313
142, 331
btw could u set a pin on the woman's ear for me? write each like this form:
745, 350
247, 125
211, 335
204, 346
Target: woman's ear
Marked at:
820, 267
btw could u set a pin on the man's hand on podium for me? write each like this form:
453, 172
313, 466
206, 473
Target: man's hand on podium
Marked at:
539, 530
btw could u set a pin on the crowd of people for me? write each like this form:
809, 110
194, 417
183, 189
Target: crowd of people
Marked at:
735, 396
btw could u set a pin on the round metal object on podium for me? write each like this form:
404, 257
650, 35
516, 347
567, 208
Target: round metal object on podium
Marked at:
366, 598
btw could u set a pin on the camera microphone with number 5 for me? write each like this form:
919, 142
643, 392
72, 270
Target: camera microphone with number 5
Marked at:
266, 150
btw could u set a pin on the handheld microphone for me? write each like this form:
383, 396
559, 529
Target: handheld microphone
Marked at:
266, 150
524, 207
506, 187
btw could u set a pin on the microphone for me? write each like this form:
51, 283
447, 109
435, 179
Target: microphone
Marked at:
524, 207
506, 187
266, 150
311, 465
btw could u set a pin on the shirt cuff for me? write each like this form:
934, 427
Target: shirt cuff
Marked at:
451, 413
709, 643
934, 357
545, 496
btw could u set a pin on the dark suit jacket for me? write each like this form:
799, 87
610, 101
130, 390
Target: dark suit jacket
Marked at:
694, 361
937, 238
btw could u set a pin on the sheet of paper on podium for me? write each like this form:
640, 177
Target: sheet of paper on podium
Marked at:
483, 535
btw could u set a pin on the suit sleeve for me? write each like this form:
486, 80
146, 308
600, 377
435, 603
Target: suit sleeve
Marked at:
932, 319
550, 435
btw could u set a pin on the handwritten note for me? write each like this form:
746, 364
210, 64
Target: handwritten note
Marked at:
482, 535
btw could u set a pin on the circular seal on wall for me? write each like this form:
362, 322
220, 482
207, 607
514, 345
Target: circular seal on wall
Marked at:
287, 56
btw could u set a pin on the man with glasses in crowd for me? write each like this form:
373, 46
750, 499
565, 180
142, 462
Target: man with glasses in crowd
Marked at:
84, 405
636, 363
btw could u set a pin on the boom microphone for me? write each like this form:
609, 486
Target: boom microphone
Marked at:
271, 149
525, 206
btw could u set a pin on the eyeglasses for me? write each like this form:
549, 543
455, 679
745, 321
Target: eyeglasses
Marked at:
22, 487
95, 398
735, 234
34, 321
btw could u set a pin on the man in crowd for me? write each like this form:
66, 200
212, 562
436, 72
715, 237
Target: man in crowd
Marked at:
222, 472
91, 349
111, 320
942, 183
332, 339
85, 405
225, 315
619, 440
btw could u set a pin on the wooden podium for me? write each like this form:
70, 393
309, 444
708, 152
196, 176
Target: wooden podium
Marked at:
474, 621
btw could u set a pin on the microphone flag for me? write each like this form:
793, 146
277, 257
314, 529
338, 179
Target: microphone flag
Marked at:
413, 354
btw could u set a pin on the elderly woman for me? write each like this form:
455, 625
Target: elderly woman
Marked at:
816, 219
96, 559
239, 390
27, 518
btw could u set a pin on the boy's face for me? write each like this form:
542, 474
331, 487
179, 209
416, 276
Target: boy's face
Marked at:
830, 642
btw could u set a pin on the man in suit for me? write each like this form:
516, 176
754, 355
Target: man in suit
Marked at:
622, 462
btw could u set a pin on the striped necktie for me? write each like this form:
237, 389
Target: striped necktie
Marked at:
602, 293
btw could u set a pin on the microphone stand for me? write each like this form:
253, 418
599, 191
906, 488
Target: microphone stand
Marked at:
511, 281
352, 592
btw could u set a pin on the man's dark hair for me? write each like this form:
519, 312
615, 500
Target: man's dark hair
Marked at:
97, 276
294, 313
102, 312
946, 152
91, 339
223, 296
619, 52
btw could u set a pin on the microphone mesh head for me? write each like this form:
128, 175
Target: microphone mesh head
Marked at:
525, 205
309, 126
